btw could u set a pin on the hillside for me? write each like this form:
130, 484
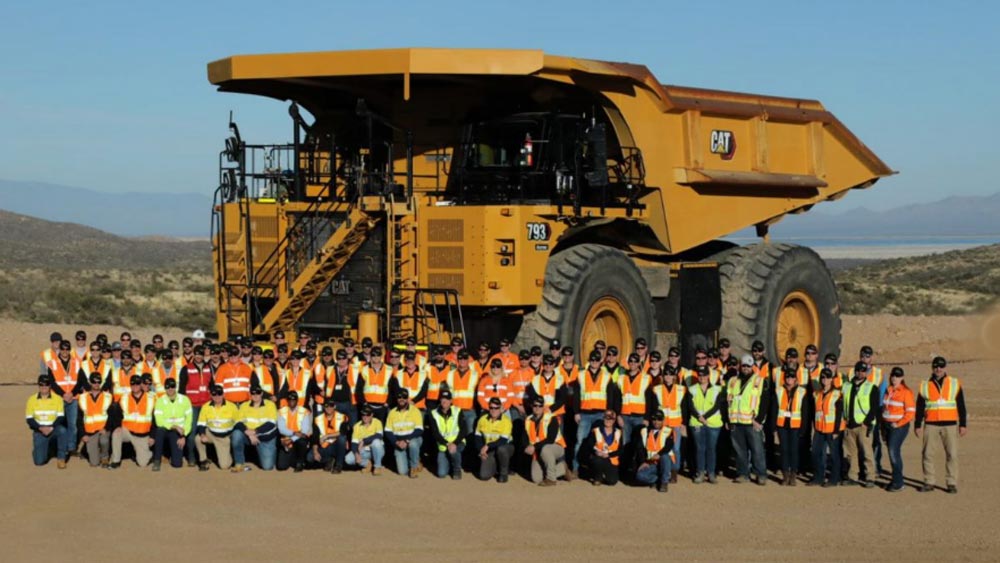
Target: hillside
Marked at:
950, 283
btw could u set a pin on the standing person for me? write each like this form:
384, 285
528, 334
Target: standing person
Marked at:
457, 344
789, 402
494, 443
137, 423
507, 358
195, 382
706, 413
653, 453
828, 425
69, 381
50, 353
330, 446
449, 436
412, 377
482, 361
340, 385
596, 392
568, 367
172, 414
216, 423
404, 429
668, 398
462, 382
46, 419
873, 374
635, 390
655, 370
94, 406
519, 381
551, 386
266, 376
940, 416
748, 399
294, 429
605, 458
546, 446
641, 348
366, 441
373, 385
494, 383
898, 410
861, 401
257, 424
438, 370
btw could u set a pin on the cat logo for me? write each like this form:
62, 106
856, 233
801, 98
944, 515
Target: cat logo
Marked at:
723, 144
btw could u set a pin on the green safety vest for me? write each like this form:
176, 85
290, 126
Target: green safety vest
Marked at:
745, 404
703, 402
447, 426
862, 402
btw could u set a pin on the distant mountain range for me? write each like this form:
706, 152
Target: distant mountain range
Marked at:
188, 214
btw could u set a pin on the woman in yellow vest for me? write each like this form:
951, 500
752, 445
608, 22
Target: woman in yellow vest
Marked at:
828, 424
705, 414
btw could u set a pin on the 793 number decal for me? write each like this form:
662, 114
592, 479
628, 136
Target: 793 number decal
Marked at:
539, 231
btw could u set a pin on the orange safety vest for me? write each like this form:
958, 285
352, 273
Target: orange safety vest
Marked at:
413, 382
519, 381
438, 376
790, 406
293, 423
376, 388
898, 407
601, 445
235, 381
463, 387
594, 393
489, 388
546, 389
778, 376
95, 411
940, 403
331, 426
65, 378
100, 366
656, 441
826, 412
569, 375
670, 403
511, 363
161, 375
266, 379
319, 375
137, 416
298, 382
539, 431
634, 393
122, 381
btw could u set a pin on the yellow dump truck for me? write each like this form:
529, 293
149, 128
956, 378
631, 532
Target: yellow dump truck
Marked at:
488, 193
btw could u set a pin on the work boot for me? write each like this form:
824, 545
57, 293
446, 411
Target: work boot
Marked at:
662, 488
203, 466
848, 483
595, 482
868, 484
336, 469
61, 464
503, 479
812, 483
156, 466
547, 483
376, 472
741, 479
570, 475
712, 480
413, 473
673, 477
784, 478
952, 489
793, 479
299, 467
892, 489
191, 463
699, 479
761, 480
456, 476
105, 462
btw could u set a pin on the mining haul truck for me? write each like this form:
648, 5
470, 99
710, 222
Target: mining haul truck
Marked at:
430, 193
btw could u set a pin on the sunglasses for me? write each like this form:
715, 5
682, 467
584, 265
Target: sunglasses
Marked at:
256, 392
613, 353
609, 417
826, 377
81, 339
45, 385
366, 415
673, 356
701, 357
633, 361
829, 363
640, 347
494, 408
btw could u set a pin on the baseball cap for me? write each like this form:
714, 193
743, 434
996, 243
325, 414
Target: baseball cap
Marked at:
567, 351
147, 378
612, 350
554, 343
409, 355
524, 355
116, 345
640, 342
46, 379
496, 402
825, 373
674, 351
757, 346
536, 350
410, 341
65, 345
366, 342
135, 380
939, 362
255, 389
812, 349
549, 360
860, 367
81, 335
126, 355
746, 360
724, 343
349, 342
341, 354
329, 405
657, 415
297, 354
866, 350
789, 372
633, 357
505, 342
538, 402
496, 363
463, 354
457, 341
897, 372
170, 384
655, 356
95, 377
595, 356
367, 410
402, 393
446, 394
702, 370
791, 353
376, 351
167, 355
198, 334
326, 351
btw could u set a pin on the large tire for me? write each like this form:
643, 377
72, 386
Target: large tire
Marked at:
780, 294
596, 281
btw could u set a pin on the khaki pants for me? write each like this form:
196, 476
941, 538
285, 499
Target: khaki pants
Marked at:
143, 451
222, 449
98, 447
855, 439
550, 464
947, 435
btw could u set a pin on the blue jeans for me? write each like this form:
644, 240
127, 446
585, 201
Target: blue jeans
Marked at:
706, 441
821, 443
167, 440
896, 438
72, 413
877, 453
583, 430
789, 438
345, 407
408, 458
374, 453
748, 445
469, 420
190, 448
678, 439
267, 453
655, 474
452, 462
239, 441
631, 423
41, 443
334, 451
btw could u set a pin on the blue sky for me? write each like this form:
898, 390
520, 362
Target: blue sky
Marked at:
114, 97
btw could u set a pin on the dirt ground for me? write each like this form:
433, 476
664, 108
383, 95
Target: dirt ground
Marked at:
95, 514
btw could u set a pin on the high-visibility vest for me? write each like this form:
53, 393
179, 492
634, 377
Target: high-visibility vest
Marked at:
48, 355
298, 382
448, 427
413, 382
940, 404
744, 400
790, 406
519, 381
463, 387
655, 441
437, 377
897, 403
862, 400
95, 411
100, 366
601, 444
874, 377
539, 431
161, 375
634, 393
235, 381
137, 415
121, 379
254, 417
376, 389
219, 419
330, 425
294, 418
826, 412
65, 378
594, 394
546, 389
488, 389
704, 401
778, 376
320, 374
569, 374
670, 403
266, 379
509, 360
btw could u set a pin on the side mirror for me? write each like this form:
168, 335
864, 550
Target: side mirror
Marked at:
597, 151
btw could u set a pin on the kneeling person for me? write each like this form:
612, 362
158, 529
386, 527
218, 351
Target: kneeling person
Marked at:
173, 415
654, 454
94, 406
449, 435
215, 426
295, 428
258, 425
332, 427
546, 445
404, 429
607, 441
493, 439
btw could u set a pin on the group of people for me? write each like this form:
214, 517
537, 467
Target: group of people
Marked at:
493, 412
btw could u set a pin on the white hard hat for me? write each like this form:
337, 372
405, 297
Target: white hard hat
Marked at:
198, 334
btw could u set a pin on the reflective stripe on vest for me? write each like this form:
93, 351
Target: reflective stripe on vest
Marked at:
826, 412
95, 411
790, 407
744, 400
137, 417
670, 403
602, 445
941, 404
324, 426
546, 389
655, 442
293, 423
539, 432
376, 388
703, 402
413, 382
447, 426
862, 400
463, 388
634, 393
894, 406
594, 394
65, 378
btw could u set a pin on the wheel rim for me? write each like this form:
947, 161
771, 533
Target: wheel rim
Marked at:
608, 320
798, 322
